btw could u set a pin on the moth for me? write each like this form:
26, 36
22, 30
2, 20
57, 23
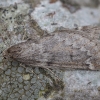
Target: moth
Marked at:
68, 49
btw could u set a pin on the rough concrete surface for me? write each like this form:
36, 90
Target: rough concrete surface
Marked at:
19, 20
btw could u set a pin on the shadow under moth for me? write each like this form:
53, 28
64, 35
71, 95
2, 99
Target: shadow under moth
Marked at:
70, 49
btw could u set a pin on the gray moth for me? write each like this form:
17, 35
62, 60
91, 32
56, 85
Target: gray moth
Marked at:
69, 49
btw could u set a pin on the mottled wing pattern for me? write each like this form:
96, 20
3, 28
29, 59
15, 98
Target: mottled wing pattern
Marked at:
73, 49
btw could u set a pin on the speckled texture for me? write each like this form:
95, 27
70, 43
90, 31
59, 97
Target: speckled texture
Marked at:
22, 84
54, 15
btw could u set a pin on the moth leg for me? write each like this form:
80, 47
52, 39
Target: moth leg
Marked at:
24, 35
52, 73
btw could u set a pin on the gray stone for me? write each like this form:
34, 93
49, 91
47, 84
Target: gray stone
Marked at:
18, 74
21, 91
36, 91
1, 59
5, 67
27, 87
7, 78
9, 90
14, 86
17, 95
31, 74
12, 96
8, 72
2, 76
9, 63
20, 69
33, 87
13, 74
15, 63
31, 91
4, 98
9, 66
4, 90
28, 93
3, 95
26, 82
12, 79
42, 88
4, 85
40, 76
16, 82
15, 90
36, 96
20, 79
37, 70
20, 85
0, 92
9, 99
9, 86
24, 97
39, 84
33, 80
32, 97
43, 81
13, 68
15, 98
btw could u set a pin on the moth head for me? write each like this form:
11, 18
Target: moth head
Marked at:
12, 52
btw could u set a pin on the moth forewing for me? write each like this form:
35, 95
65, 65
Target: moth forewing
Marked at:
72, 49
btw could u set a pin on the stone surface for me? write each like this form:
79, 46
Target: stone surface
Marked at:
0, 92
17, 95
20, 80
21, 91
13, 68
27, 87
12, 96
18, 83
20, 69
33, 80
8, 72
28, 93
15, 63
24, 97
